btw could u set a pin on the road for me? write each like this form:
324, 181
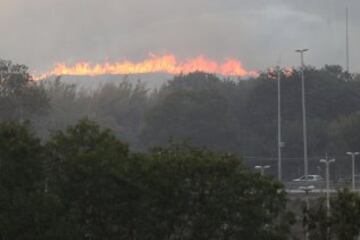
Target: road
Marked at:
294, 191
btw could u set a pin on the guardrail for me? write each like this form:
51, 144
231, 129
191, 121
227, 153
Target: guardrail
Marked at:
319, 185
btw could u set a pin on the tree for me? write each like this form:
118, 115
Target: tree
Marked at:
345, 211
85, 184
14, 77
316, 220
65, 107
199, 194
121, 107
345, 130
20, 97
193, 108
88, 169
26, 212
342, 223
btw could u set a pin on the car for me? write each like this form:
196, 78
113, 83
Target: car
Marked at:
310, 178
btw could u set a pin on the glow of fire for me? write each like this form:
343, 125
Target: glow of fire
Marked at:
155, 64
287, 71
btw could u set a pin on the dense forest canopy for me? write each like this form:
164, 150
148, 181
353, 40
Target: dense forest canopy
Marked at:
237, 116
84, 183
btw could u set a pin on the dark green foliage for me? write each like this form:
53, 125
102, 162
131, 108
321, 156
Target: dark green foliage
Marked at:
85, 184
346, 131
119, 107
122, 107
86, 166
342, 222
317, 221
25, 210
240, 116
345, 211
229, 115
14, 77
204, 195
20, 97
237, 116
192, 107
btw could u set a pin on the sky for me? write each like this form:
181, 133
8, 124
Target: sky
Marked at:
260, 33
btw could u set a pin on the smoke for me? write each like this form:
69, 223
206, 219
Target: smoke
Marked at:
41, 33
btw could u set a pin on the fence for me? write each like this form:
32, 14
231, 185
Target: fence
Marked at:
340, 170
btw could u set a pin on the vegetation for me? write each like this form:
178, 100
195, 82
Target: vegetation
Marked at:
340, 222
235, 116
85, 184
66, 178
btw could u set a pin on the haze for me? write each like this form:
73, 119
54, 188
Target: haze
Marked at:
40, 33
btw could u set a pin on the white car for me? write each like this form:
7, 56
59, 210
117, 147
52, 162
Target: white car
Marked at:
311, 178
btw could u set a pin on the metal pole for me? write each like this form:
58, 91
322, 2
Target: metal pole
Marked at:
328, 193
306, 169
353, 155
279, 126
304, 116
347, 42
353, 171
327, 187
327, 162
307, 190
308, 210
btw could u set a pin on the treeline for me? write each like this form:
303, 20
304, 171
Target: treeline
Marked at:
84, 183
236, 116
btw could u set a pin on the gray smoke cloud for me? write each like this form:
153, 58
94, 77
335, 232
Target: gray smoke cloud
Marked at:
40, 33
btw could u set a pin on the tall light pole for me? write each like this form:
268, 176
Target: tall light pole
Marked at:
280, 143
262, 168
306, 168
353, 155
327, 162
347, 42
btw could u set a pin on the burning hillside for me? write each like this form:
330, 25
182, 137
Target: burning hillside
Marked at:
154, 64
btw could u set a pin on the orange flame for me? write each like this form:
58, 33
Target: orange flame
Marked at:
287, 71
155, 64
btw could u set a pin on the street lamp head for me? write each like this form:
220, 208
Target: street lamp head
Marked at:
327, 161
352, 153
262, 166
302, 50
307, 188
